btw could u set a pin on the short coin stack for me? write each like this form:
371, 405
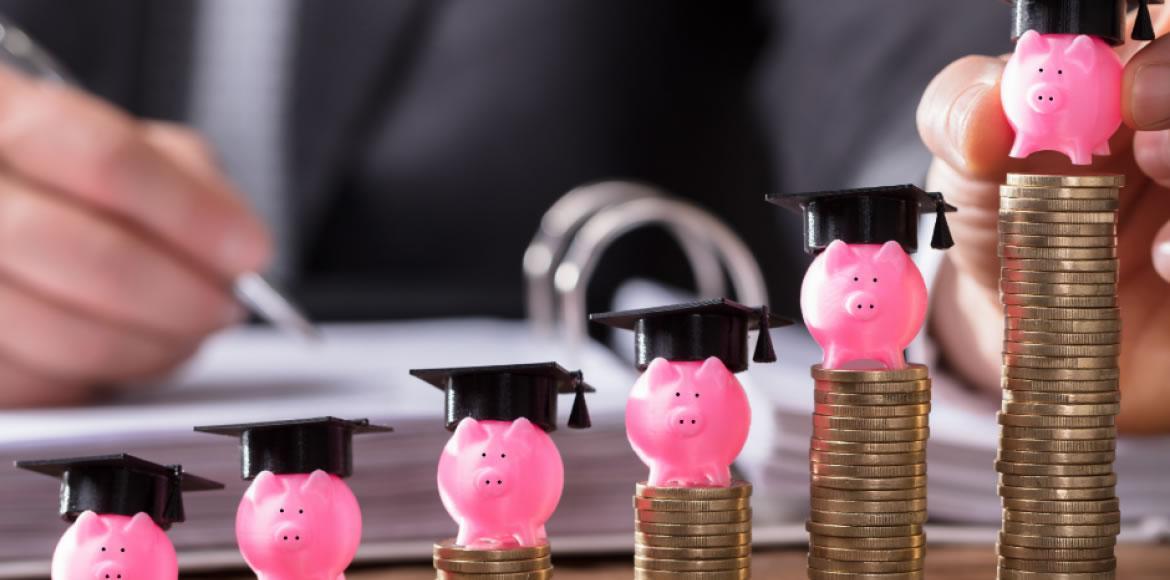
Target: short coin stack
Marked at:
868, 463
700, 533
1058, 284
454, 562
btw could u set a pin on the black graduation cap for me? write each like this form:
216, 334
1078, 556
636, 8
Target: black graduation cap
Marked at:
508, 392
696, 330
870, 215
298, 445
1101, 18
121, 485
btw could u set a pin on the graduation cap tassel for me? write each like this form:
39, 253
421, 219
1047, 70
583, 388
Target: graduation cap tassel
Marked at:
764, 351
173, 511
579, 416
1143, 27
941, 238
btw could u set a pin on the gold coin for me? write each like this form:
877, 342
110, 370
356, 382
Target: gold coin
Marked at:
1059, 301
1033, 397
1014, 372
892, 423
1050, 422
1058, 433
867, 436
691, 505
1047, 229
853, 506
874, 471
892, 543
1062, 507
1043, 180
824, 457
1059, 277
912, 372
885, 483
878, 495
1102, 386
1059, 566
1054, 217
1058, 241
1061, 531
1037, 265
1054, 554
1048, 446
872, 411
856, 555
1057, 205
740, 574
1043, 409
724, 517
664, 565
1094, 193
1009, 467
878, 400
493, 567
692, 529
1042, 313
1053, 481
814, 574
1058, 493
878, 388
1046, 457
1057, 543
737, 489
864, 567
833, 446
868, 519
1010, 574
1008, 286
449, 550
1061, 350
1062, 519
662, 553
1052, 362
545, 574
715, 541
868, 532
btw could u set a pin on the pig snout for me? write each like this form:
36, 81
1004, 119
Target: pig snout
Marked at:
290, 537
862, 306
687, 421
1045, 98
111, 570
491, 482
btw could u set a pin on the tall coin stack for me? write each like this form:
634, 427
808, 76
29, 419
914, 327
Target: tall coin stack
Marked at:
454, 562
700, 533
1058, 284
868, 464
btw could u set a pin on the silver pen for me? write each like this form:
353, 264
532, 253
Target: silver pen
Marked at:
251, 289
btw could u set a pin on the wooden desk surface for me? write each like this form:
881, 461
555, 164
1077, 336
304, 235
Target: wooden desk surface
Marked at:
1135, 562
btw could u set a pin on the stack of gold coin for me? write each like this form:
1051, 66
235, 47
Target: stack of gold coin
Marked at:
695, 533
1058, 284
868, 463
453, 562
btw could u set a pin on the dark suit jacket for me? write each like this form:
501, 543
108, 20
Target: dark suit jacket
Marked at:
429, 136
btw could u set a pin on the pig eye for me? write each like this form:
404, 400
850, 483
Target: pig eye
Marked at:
1060, 72
503, 455
678, 394
696, 395
856, 279
1041, 70
301, 511
875, 280
123, 550
282, 510
484, 454
103, 548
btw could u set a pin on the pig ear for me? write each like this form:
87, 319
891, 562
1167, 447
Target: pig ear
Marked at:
319, 483
468, 432
90, 525
661, 372
712, 372
265, 485
1082, 52
838, 256
1030, 43
519, 431
891, 256
139, 526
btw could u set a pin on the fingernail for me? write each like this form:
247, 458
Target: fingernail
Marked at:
959, 119
1150, 96
242, 251
1162, 259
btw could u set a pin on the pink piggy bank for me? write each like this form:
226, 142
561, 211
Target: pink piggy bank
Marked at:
500, 481
114, 546
298, 526
863, 302
688, 421
1062, 92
